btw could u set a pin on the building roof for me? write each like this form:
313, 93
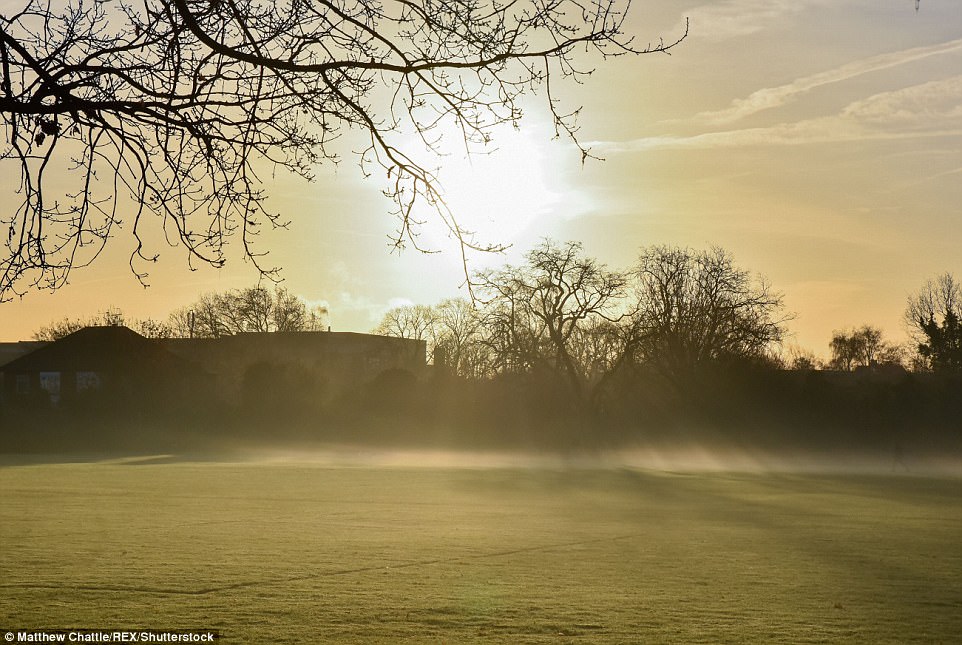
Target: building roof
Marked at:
98, 349
331, 341
12, 351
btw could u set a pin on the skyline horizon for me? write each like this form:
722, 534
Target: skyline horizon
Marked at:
785, 349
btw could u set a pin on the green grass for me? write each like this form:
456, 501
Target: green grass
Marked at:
283, 553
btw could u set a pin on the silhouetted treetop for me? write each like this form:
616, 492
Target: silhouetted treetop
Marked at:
173, 110
252, 309
862, 347
934, 317
539, 315
62, 328
695, 307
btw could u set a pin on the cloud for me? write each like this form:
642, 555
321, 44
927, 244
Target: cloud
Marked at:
772, 97
932, 109
918, 107
737, 18
393, 303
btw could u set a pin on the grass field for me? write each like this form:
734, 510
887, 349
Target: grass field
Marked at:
309, 553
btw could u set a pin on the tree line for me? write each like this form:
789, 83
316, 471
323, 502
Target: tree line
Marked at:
932, 317
567, 316
674, 310
683, 345
560, 311
213, 315
562, 350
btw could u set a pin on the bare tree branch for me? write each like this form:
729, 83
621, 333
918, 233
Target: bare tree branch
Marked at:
121, 113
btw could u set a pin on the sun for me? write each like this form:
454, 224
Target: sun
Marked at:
498, 192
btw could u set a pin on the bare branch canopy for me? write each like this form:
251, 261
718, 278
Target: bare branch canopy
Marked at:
115, 113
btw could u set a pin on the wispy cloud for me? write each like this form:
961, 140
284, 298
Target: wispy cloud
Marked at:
773, 97
927, 179
737, 18
399, 302
932, 109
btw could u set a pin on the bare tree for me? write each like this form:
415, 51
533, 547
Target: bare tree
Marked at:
862, 347
538, 311
150, 328
600, 346
172, 110
254, 309
452, 330
457, 338
108, 318
695, 307
802, 359
60, 328
199, 320
934, 318
407, 321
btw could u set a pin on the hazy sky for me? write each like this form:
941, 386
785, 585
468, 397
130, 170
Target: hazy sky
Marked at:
818, 140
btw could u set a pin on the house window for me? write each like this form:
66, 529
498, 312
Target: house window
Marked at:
50, 383
23, 384
88, 381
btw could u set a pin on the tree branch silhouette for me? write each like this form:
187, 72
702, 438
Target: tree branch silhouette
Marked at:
116, 113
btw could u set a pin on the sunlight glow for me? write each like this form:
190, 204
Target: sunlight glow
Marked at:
496, 193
